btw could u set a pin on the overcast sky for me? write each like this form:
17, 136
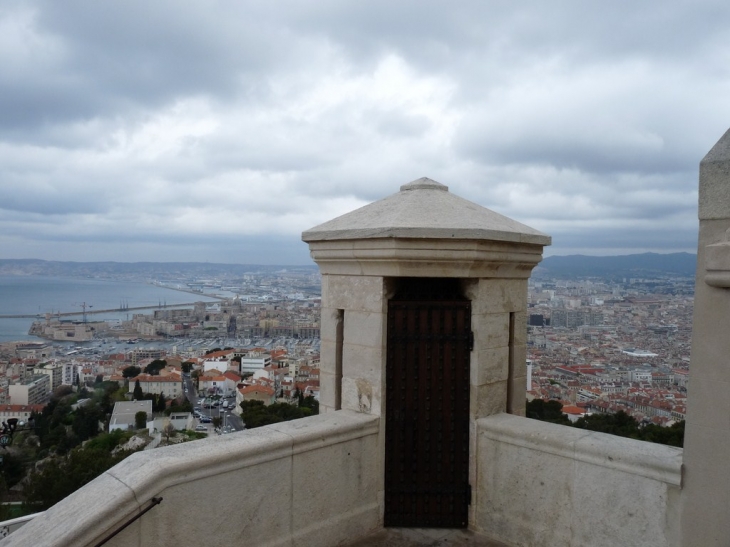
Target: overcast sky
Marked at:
219, 131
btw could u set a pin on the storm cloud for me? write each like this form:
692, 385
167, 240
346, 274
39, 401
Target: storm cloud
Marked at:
219, 131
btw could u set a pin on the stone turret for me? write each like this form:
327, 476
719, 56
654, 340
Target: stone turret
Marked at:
421, 231
424, 298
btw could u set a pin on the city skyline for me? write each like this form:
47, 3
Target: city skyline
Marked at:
220, 132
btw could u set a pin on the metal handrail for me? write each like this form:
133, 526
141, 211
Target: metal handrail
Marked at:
7, 525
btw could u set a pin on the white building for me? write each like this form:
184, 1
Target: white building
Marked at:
33, 392
169, 386
253, 361
54, 371
123, 416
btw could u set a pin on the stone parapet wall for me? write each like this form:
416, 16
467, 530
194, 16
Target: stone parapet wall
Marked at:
313, 481
542, 484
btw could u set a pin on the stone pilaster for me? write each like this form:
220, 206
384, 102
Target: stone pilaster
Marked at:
706, 481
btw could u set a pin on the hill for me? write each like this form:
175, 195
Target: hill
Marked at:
138, 270
638, 265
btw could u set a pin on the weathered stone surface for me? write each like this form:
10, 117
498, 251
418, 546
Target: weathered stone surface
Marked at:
489, 365
425, 209
327, 391
248, 480
487, 399
498, 296
365, 328
353, 293
519, 354
705, 496
714, 194
542, 484
425, 258
491, 330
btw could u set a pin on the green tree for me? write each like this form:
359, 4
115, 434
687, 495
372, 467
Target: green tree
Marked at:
131, 371
187, 366
546, 411
217, 421
137, 393
620, 424
256, 414
672, 435
140, 419
311, 403
159, 403
60, 477
155, 367
179, 406
86, 420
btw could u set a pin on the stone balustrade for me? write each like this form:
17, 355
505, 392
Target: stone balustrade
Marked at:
317, 481
541, 484
313, 481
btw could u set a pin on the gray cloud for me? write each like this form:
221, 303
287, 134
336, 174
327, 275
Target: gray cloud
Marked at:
169, 131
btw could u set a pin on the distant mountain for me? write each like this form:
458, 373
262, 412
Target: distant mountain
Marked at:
638, 265
136, 270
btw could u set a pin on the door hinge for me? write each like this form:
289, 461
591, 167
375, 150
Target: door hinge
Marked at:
471, 340
468, 494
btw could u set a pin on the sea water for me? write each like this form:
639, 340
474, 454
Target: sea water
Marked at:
33, 295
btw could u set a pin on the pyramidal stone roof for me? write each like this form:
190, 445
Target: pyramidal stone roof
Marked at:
425, 208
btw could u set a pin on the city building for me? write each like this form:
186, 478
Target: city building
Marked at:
125, 412
169, 386
34, 391
54, 371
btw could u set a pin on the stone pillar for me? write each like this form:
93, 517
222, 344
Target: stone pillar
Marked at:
706, 477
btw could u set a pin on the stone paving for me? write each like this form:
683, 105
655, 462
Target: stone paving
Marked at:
430, 537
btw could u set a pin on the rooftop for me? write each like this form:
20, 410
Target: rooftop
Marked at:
425, 208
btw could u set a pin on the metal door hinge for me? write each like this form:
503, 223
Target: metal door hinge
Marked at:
471, 340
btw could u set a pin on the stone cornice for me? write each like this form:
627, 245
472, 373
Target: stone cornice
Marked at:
404, 257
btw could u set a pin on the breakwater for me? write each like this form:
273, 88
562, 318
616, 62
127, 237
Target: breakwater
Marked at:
91, 312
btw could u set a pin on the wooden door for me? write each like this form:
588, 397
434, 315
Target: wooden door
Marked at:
427, 410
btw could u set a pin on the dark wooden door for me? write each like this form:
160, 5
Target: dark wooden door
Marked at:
427, 412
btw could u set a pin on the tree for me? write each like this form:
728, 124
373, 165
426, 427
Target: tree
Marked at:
62, 391
131, 371
179, 406
159, 403
169, 431
620, 424
310, 403
60, 477
86, 421
256, 414
546, 411
154, 368
140, 419
137, 393
217, 421
186, 366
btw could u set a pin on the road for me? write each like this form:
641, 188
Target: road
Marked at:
227, 417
